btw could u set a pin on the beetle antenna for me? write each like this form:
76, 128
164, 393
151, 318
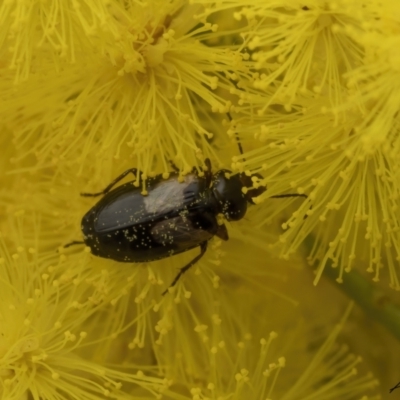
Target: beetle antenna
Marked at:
279, 196
237, 138
73, 243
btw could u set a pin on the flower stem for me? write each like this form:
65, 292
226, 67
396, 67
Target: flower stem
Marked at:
377, 304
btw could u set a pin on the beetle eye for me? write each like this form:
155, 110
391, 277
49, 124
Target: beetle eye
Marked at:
248, 182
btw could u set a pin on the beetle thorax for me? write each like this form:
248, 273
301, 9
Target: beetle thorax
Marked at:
229, 195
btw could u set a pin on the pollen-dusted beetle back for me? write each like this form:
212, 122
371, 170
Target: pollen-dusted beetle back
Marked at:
173, 218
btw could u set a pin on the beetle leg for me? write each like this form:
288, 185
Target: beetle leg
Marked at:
174, 167
73, 243
208, 174
203, 248
222, 232
395, 387
133, 171
280, 196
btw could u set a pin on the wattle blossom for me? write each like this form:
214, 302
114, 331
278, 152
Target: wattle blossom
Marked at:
329, 129
303, 94
130, 82
49, 310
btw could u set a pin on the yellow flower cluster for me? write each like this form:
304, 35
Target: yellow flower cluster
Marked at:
310, 92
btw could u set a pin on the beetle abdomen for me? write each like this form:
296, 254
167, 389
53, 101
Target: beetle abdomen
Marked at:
129, 227
151, 241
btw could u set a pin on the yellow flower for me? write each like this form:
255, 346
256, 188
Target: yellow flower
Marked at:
49, 342
296, 48
66, 327
331, 131
139, 87
249, 370
92, 88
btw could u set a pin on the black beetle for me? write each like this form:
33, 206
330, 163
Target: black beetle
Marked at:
174, 217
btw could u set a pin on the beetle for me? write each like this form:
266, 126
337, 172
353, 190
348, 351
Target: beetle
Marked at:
174, 217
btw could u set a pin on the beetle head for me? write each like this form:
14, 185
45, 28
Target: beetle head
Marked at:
228, 191
250, 182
